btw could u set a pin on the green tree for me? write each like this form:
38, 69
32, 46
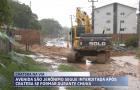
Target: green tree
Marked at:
51, 27
5, 18
22, 16
5, 15
35, 23
132, 41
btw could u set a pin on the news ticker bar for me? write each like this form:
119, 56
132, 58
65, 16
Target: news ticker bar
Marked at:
68, 80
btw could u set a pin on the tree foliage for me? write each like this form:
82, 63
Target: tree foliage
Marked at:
132, 41
5, 16
18, 15
50, 27
22, 16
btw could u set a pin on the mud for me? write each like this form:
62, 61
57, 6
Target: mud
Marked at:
50, 50
123, 64
122, 53
63, 51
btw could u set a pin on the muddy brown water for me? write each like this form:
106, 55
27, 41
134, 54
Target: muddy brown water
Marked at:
112, 68
115, 68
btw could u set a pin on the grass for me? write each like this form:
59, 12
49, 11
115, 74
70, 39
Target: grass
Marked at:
67, 68
5, 59
22, 51
9, 65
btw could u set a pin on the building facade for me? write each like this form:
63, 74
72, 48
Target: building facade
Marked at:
115, 19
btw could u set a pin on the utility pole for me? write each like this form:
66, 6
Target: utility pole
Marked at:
69, 35
138, 31
71, 17
30, 4
92, 1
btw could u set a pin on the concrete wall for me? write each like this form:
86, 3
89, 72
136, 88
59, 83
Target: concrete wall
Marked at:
129, 17
103, 20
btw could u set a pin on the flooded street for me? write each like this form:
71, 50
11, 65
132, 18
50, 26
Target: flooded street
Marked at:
118, 66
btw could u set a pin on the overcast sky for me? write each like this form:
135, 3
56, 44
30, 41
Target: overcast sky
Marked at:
61, 10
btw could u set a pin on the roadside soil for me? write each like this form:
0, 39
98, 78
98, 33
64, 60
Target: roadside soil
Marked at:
50, 50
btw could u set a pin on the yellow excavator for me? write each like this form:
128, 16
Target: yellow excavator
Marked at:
85, 43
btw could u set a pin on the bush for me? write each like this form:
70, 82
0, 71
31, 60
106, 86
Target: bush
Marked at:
13, 62
132, 41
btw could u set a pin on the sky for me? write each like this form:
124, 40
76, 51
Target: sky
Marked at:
61, 10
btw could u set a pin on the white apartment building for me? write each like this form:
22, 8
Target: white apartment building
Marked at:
115, 18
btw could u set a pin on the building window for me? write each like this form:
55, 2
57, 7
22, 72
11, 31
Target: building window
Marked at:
121, 21
108, 21
122, 29
122, 13
108, 29
108, 13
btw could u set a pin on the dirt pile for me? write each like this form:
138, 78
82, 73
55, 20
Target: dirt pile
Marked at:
62, 51
122, 53
50, 50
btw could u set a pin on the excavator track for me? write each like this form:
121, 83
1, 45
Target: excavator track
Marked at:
103, 57
75, 57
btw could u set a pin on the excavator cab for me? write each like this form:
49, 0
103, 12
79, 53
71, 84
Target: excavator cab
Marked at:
76, 33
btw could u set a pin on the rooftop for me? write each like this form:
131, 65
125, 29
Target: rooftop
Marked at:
117, 4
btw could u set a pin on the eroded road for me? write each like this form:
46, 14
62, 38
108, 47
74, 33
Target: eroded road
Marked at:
52, 57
